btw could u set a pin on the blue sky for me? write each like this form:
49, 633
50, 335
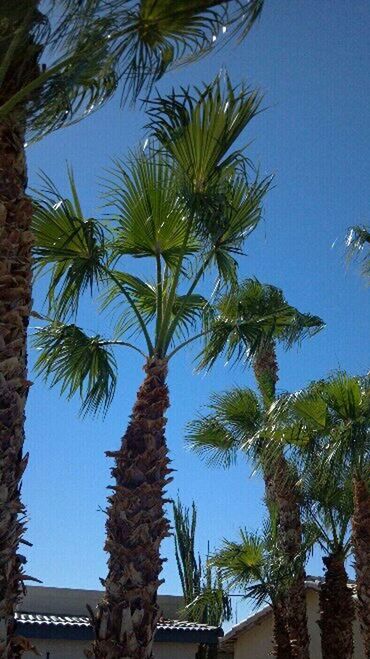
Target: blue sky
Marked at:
310, 59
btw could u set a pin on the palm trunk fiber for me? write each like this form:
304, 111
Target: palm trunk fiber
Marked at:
126, 619
361, 550
281, 492
281, 642
337, 610
15, 307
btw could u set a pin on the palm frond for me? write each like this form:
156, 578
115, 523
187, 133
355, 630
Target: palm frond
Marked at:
71, 247
233, 417
78, 364
358, 246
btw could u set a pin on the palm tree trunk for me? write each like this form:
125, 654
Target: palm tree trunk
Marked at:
337, 610
281, 641
281, 493
361, 550
126, 619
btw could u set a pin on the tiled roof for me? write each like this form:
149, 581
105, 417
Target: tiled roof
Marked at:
83, 621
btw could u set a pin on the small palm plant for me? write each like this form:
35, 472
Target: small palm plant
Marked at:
358, 245
187, 207
329, 423
91, 48
327, 509
255, 566
204, 594
276, 322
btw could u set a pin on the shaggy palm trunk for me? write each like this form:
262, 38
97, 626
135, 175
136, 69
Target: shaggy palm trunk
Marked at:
281, 492
126, 619
15, 307
361, 550
281, 642
337, 610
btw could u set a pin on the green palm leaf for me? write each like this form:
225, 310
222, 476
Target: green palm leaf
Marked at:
78, 364
358, 245
72, 247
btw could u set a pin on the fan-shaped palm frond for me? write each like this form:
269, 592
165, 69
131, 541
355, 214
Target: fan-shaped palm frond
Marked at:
197, 130
100, 44
71, 246
358, 245
152, 220
249, 317
78, 363
233, 417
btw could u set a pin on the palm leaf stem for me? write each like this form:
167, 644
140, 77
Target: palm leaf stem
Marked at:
196, 279
185, 343
133, 306
24, 93
125, 344
161, 343
159, 302
18, 34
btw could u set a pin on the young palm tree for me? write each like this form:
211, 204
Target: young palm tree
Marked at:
204, 595
275, 322
327, 509
358, 245
256, 566
332, 425
91, 46
187, 207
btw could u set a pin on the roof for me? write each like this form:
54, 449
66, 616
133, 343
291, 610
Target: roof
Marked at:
311, 583
39, 625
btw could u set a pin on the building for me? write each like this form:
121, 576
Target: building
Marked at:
55, 620
252, 638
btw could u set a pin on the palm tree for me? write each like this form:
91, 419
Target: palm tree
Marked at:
264, 307
204, 595
91, 46
256, 566
332, 424
358, 242
327, 509
187, 207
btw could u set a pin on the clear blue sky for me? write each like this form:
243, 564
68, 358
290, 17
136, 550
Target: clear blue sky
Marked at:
311, 60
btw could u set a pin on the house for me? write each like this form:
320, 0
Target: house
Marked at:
252, 638
55, 620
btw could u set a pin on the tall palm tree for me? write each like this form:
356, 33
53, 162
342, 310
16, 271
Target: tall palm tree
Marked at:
204, 594
256, 566
92, 47
327, 509
332, 423
358, 245
187, 207
276, 322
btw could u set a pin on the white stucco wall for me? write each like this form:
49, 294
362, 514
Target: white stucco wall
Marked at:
255, 643
75, 650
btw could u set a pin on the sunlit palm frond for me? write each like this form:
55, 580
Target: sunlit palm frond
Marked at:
152, 220
78, 364
218, 435
241, 563
71, 247
249, 316
358, 246
198, 129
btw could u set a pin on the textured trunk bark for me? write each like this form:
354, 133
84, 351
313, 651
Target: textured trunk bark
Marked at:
281, 641
15, 307
337, 610
361, 550
282, 493
125, 621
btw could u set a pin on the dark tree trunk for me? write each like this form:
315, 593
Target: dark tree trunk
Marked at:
361, 550
15, 307
126, 619
281, 492
281, 641
337, 610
